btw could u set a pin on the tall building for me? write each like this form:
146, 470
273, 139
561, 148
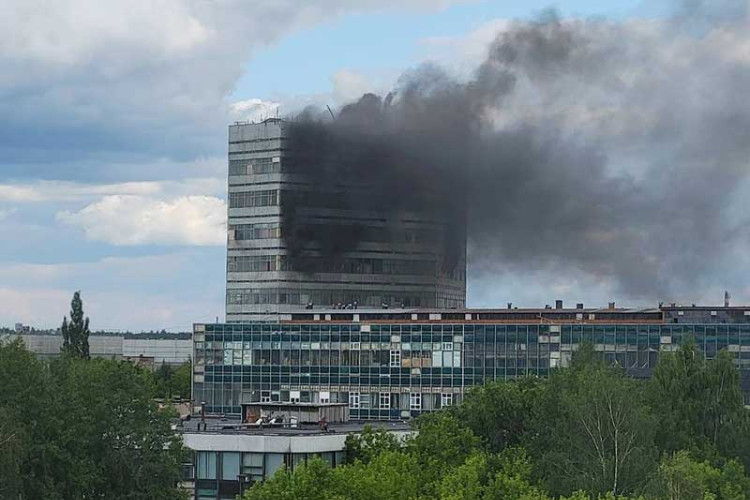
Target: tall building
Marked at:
396, 263
388, 365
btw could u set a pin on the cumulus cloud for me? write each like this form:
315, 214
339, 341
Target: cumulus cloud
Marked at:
136, 78
64, 191
140, 220
254, 109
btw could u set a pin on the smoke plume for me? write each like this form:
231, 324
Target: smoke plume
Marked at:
615, 148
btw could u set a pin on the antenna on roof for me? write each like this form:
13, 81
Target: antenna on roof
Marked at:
330, 111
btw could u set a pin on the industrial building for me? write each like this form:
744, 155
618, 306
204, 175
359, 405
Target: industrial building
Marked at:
395, 364
151, 352
397, 263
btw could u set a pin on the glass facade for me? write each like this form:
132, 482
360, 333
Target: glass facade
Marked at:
400, 369
218, 473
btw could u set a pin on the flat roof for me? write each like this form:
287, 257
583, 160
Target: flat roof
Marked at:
236, 427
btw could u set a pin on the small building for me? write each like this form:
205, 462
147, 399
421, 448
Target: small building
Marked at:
229, 455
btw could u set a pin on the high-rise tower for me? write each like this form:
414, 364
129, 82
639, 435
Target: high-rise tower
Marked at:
394, 263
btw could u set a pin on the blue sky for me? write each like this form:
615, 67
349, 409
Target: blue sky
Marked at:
392, 41
112, 145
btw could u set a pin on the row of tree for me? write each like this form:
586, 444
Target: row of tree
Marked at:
586, 432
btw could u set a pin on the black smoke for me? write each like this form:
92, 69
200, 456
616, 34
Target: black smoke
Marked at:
617, 149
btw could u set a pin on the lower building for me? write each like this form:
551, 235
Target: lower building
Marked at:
228, 456
396, 364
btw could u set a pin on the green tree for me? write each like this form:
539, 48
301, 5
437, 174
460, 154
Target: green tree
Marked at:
681, 477
389, 475
370, 443
310, 480
13, 451
181, 380
83, 429
698, 403
173, 382
596, 433
499, 412
76, 331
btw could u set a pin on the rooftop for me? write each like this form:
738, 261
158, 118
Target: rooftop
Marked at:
236, 427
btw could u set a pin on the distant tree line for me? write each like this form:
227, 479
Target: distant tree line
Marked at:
585, 432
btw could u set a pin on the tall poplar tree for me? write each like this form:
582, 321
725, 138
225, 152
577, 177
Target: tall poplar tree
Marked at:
76, 331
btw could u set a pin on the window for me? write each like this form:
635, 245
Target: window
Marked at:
325, 397
294, 396
256, 263
364, 401
354, 400
385, 400
415, 401
265, 396
446, 400
187, 471
255, 166
248, 199
395, 358
256, 231
252, 466
447, 346
274, 461
206, 465
230, 466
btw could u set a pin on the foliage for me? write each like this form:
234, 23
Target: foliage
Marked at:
76, 331
311, 480
499, 413
681, 477
83, 429
697, 402
596, 433
173, 382
369, 444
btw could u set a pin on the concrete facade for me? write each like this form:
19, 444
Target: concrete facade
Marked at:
161, 351
397, 268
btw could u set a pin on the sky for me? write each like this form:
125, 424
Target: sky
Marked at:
114, 123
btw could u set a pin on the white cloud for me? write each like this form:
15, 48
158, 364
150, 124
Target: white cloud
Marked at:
63, 191
140, 220
138, 293
349, 85
154, 75
254, 109
463, 53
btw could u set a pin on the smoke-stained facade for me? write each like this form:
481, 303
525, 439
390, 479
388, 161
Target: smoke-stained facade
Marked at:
303, 230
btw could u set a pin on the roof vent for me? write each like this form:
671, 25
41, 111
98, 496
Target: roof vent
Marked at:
611, 305
558, 304
579, 305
